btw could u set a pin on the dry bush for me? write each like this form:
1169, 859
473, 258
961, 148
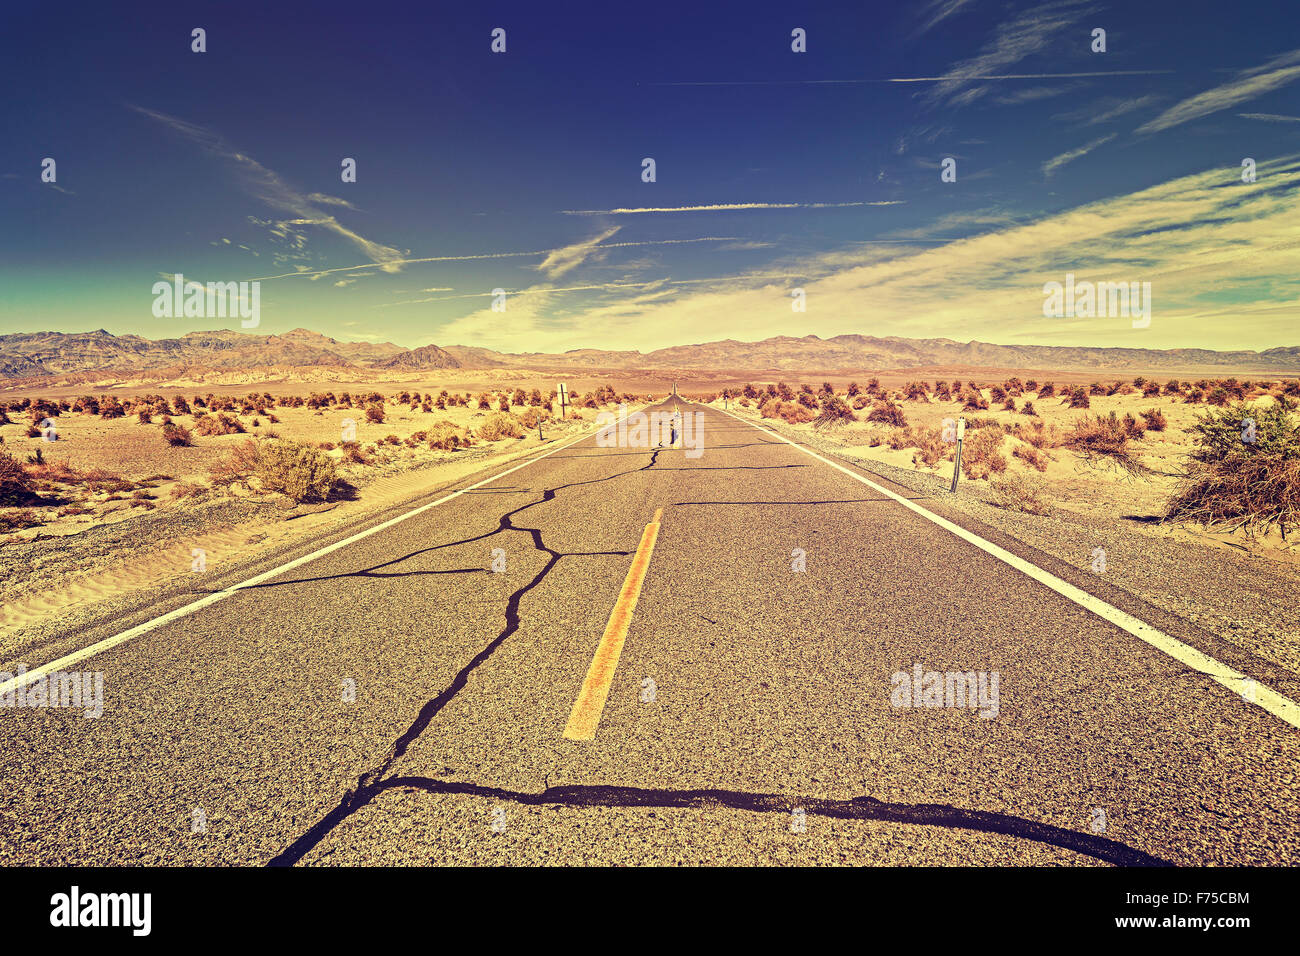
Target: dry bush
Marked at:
1028, 409
187, 489
1104, 438
500, 425
930, 446
1046, 391
532, 416
1243, 484
16, 519
1017, 491
375, 414
888, 413
791, 412
177, 435
980, 456
445, 436
102, 480
296, 469
834, 413
218, 424
1079, 398
1155, 419
15, 483
353, 453
237, 465
1032, 456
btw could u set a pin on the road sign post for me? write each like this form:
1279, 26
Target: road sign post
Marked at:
956, 463
562, 392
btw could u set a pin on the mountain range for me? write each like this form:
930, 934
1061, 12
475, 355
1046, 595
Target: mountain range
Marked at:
43, 354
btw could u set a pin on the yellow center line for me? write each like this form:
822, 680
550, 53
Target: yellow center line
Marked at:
591, 699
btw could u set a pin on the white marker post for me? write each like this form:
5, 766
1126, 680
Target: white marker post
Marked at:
956, 464
562, 392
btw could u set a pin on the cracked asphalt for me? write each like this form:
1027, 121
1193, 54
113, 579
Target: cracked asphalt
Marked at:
749, 720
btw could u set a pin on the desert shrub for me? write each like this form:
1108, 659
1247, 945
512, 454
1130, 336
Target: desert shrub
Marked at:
16, 519
237, 465
1079, 398
375, 414
834, 412
980, 455
532, 415
930, 446
177, 435
1017, 491
1151, 389
100, 480
500, 425
861, 402
1028, 409
15, 483
296, 469
1046, 391
888, 413
218, 424
1155, 419
974, 401
1217, 396
447, 437
1031, 456
1102, 438
1239, 483
791, 412
187, 489
1134, 428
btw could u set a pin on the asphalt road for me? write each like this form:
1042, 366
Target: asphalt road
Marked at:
749, 719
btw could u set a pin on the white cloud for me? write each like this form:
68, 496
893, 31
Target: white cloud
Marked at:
1246, 85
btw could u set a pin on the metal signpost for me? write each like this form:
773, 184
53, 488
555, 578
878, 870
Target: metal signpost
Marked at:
956, 464
562, 392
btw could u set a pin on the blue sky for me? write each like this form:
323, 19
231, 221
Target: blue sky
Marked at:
522, 170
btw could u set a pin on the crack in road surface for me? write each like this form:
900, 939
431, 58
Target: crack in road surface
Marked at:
859, 808
371, 782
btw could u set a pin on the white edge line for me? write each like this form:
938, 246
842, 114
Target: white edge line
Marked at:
22, 680
1270, 700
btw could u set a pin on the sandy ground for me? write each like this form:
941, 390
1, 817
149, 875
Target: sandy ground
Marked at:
95, 543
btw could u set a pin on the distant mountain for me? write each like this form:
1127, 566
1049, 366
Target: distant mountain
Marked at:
52, 353
309, 355
868, 353
426, 356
